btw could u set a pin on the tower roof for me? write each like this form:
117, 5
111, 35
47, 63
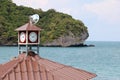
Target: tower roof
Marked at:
28, 27
32, 67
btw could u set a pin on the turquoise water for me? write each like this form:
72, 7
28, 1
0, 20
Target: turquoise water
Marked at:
103, 59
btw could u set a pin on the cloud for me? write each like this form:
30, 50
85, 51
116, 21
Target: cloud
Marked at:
63, 1
66, 10
107, 10
32, 3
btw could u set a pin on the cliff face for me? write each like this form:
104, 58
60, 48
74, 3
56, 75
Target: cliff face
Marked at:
58, 29
69, 40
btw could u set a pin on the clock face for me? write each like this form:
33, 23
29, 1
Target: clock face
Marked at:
33, 36
22, 37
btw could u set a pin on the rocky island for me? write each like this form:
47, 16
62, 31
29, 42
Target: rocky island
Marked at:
58, 29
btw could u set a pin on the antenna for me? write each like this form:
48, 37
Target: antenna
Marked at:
34, 18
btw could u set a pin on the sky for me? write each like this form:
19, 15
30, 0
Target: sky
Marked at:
102, 17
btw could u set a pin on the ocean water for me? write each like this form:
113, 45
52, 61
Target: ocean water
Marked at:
103, 59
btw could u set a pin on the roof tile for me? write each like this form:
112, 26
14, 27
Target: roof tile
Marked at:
36, 68
28, 26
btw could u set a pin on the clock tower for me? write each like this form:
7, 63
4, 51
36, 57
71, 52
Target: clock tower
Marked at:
28, 37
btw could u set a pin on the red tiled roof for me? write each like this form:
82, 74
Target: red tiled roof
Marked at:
28, 26
35, 68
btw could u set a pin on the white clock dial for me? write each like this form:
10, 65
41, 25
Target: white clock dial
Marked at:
33, 37
22, 37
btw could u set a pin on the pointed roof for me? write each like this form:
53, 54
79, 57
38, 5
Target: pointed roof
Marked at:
32, 67
28, 27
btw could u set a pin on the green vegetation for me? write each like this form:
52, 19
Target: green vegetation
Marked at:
53, 23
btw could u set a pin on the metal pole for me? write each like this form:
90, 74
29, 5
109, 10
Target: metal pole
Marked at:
26, 42
38, 49
19, 49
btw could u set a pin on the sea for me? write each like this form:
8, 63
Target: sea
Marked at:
103, 59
